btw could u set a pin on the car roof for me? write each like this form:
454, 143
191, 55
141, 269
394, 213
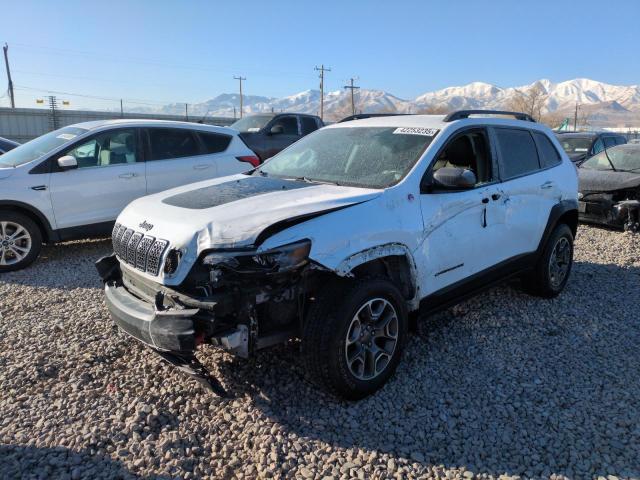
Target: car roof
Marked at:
133, 122
586, 134
435, 121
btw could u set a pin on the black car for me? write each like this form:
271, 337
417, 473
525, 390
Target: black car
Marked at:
269, 133
609, 191
582, 145
6, 145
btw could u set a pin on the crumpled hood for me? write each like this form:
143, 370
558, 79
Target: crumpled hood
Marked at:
606, 180
232, 211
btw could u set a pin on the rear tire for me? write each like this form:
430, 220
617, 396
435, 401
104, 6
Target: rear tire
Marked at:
551, 272
20, 241
353, 336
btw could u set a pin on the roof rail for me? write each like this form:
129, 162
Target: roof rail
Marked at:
460, 114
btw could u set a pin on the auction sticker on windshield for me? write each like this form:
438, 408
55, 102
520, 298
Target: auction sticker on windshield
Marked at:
427, 132
67, 136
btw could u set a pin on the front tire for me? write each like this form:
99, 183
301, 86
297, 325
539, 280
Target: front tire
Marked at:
551, 273
20, 241
354, 335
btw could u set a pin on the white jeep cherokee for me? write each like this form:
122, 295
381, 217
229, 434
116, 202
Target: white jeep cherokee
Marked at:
339, 237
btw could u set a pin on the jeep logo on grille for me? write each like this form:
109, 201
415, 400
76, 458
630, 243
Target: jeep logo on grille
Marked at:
146, 226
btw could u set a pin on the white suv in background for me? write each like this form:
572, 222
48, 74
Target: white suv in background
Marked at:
73, 182
337, 238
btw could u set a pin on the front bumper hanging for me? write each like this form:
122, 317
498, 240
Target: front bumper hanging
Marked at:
170, 333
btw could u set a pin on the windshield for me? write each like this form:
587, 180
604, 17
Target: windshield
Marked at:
375, 157
575, 145
39, 146
252, 124
625, 158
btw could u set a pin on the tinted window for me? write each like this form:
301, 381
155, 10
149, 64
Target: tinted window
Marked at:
609, 142
107, 148
214, 142
518, 155
598, 146
172, 143
621, 140
549, 156
308, 125
289, 124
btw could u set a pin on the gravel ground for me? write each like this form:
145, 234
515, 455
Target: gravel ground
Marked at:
503, 385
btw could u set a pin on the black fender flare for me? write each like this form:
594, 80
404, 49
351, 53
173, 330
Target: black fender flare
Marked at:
49, 235
561, 209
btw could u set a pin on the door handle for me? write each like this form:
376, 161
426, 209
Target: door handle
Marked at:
495, 196
546, 185
485, 200
201, 167
128, 175
39, 188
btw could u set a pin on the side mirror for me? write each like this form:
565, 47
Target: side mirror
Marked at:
454, 178
67, 162
276, 130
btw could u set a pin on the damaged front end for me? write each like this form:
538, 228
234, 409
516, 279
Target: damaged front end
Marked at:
240, 299
618, 209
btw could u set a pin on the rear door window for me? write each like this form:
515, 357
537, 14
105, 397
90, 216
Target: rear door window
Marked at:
609, 142
621, 140
518, 154
549, 156
308, 125
214, 142
166, 143
288, 123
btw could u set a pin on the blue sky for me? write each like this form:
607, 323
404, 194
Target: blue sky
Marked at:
188, 51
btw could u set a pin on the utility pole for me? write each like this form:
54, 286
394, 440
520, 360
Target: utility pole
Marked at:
186, 111
53, 105
322, 69
575, 119
352, 87
121, 110
240, 78
5, 48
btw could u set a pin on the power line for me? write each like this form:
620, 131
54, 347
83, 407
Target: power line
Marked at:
102, 57
113, 99
322, 69
352, 87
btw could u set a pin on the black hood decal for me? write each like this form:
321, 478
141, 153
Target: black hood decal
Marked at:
606, 180
215, 195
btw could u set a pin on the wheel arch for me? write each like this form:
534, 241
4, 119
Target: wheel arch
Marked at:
566, 211
48, 235
393, 261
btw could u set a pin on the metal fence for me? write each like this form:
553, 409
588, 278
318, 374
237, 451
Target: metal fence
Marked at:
24, 124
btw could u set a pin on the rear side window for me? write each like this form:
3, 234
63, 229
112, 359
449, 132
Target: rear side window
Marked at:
518, 154
289, 125
609, 142
168, 143
549, 156
308, 125
214, 142
621, 140
598, 146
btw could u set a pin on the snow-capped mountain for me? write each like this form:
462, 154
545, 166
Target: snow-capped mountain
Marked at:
617, 101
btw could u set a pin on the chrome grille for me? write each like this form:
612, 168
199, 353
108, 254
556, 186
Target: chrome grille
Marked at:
141, 251
154, 256
132, 247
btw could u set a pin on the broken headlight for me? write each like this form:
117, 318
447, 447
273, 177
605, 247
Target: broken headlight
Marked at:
278, 259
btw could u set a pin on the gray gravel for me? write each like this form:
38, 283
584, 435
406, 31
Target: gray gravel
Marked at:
503, 385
